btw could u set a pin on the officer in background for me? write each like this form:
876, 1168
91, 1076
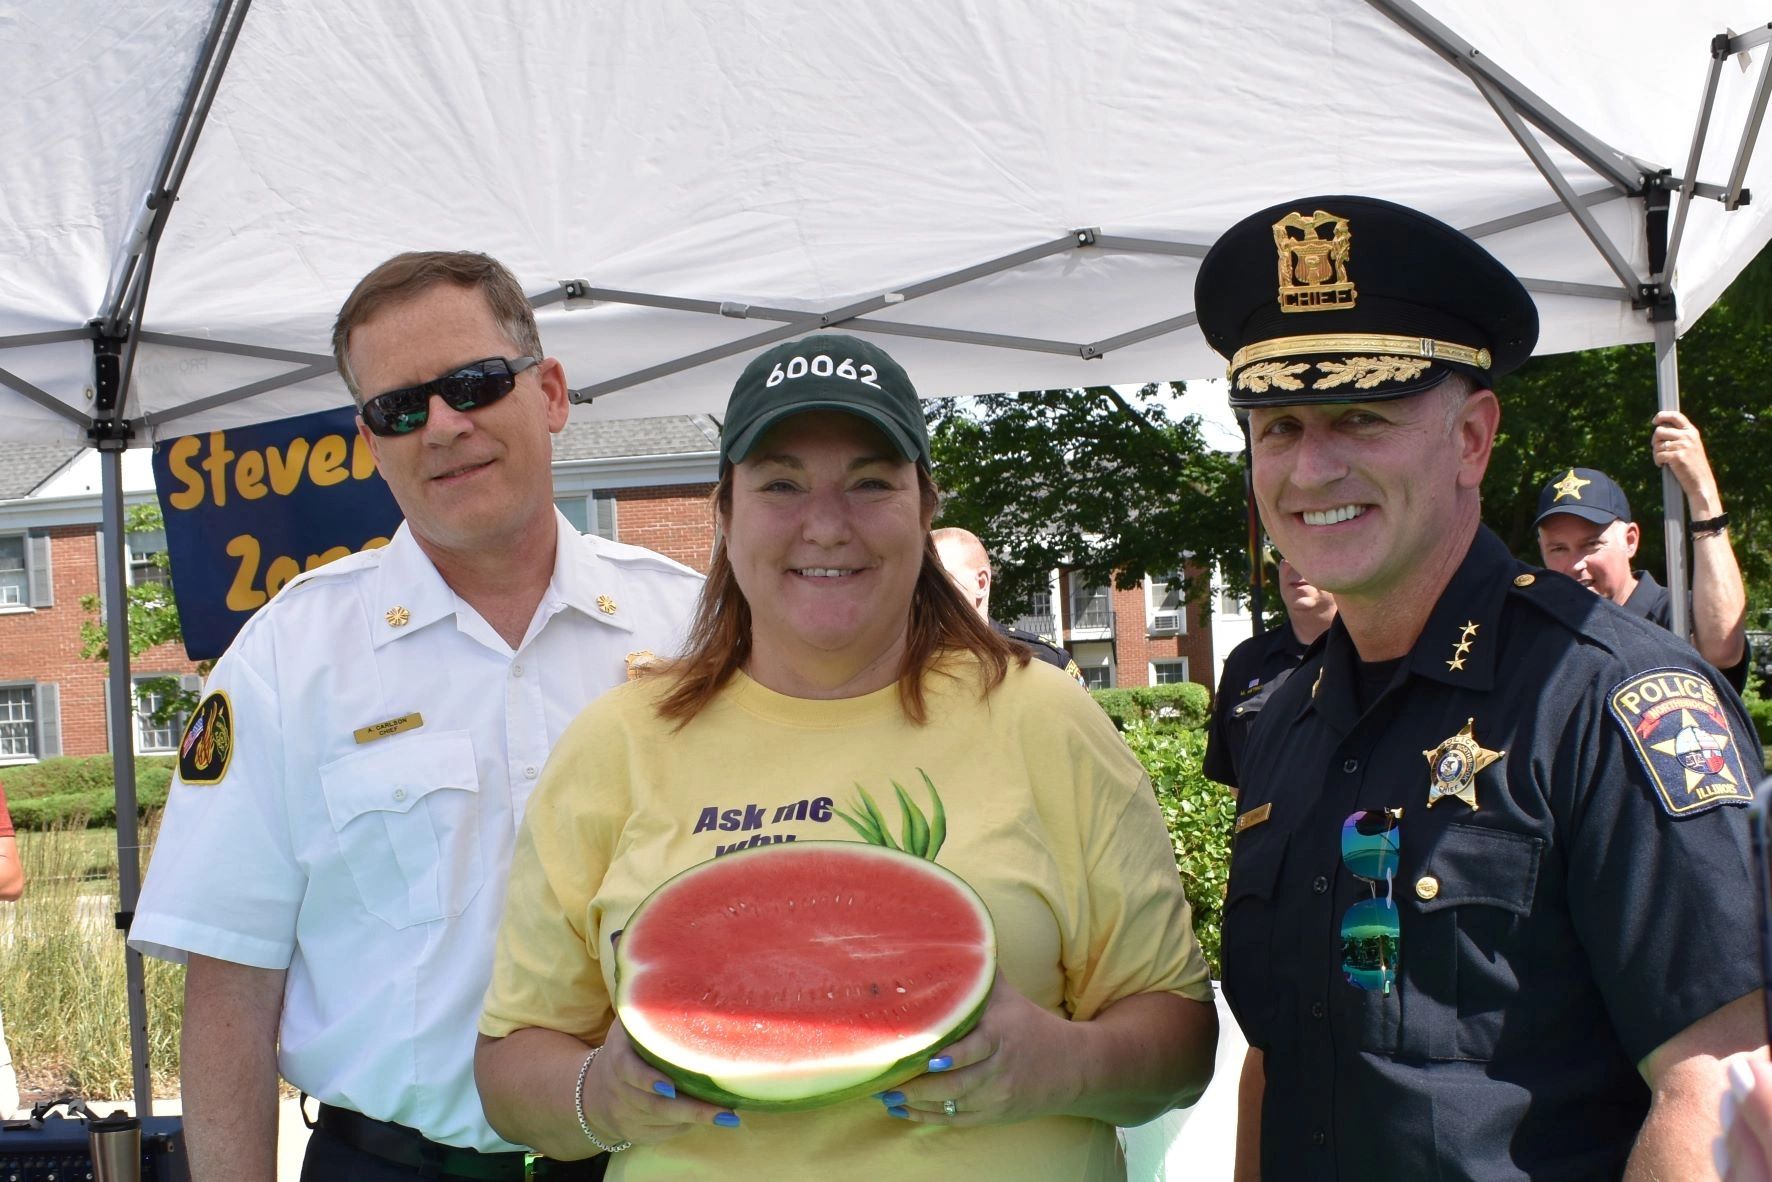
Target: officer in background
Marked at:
963, 557
1260, 665
1585, 531
1488, 887
333, 857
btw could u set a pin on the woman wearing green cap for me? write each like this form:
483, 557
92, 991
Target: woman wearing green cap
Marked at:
831, 652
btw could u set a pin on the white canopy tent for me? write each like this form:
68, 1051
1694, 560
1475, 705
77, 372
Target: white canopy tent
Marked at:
1014, 194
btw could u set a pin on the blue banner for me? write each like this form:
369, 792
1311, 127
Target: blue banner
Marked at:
249, 509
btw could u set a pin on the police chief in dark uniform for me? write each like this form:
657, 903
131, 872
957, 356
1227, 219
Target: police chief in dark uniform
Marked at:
1490, 906
1259, 666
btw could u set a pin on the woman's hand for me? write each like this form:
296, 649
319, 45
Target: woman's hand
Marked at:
1018, 1063
628, 1099
1746, 1144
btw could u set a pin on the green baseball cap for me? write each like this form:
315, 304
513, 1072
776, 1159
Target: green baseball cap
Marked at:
825, 371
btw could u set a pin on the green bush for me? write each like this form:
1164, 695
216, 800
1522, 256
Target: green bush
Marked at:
1199, 813
1182, 706
70, 789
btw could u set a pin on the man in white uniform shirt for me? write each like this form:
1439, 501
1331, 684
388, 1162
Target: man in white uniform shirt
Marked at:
332, 862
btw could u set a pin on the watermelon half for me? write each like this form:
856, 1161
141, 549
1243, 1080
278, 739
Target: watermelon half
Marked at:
794, 976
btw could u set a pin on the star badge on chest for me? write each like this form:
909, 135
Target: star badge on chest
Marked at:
1454, 765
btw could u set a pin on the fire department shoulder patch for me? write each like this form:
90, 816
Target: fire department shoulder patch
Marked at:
1677, 725
208, 746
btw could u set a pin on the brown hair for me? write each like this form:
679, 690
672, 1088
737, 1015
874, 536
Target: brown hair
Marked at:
417, 271
941, 620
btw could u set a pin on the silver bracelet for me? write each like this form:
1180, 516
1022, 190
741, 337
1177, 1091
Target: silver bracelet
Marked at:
578, 1106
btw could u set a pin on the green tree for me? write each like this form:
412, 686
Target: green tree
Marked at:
153, 620
1108, 484
1593, 409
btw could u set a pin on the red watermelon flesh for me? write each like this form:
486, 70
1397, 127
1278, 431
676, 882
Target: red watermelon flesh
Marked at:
798, 975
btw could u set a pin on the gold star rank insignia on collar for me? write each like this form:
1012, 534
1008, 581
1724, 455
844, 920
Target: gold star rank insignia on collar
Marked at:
1454, 765
1570, 486
1466, 634
397, 617
606, 605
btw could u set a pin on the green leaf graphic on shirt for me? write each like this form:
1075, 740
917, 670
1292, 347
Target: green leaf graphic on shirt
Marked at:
920, 834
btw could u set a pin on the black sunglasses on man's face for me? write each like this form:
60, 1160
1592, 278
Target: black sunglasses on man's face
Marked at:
403, 411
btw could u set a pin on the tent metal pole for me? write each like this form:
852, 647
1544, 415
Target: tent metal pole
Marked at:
318, 369
1701, 130
235, 348
122, 735
42, 397
1750, 134
1604, 159
218, 44
1558, 182
1673, 499
1591, 291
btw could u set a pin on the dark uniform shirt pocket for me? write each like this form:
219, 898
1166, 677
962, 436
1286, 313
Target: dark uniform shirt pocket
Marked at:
1257, 855
1460, 907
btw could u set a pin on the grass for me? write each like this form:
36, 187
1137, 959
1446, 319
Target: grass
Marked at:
62, 991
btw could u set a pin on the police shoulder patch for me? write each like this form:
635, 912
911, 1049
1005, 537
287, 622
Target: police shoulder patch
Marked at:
208, 745
1680, 731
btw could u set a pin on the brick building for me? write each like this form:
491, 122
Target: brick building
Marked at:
643, 481
1142, 636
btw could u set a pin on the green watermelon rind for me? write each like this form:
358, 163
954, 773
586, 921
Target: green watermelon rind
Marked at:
702, 1087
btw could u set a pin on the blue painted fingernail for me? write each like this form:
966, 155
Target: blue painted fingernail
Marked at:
900, 1112
726, 1120
892, 1099
940, 1063
664, 1088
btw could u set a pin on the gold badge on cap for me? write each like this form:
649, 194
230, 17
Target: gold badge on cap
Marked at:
1455, 764
398, 617
1313, 268
606, 605
1570, 486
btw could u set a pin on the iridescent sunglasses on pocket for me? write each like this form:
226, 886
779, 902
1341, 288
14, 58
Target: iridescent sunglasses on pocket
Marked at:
1369, 930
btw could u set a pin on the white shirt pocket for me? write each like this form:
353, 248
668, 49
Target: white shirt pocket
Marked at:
407, 816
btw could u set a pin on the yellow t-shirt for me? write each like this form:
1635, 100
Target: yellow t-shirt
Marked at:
1050, 819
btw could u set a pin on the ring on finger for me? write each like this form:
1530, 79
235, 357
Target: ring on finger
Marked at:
950, 1107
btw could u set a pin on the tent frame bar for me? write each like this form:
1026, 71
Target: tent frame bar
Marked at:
42, 398
1750, 131
1609, 162
1547, 167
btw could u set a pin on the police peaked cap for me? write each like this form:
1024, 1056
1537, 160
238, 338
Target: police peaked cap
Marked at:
1353, 299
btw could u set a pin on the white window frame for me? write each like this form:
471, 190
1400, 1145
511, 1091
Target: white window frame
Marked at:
1171, 623
595, 505
132, 558
1166, 661
140, 723
1078, 596
34, 722
23, 602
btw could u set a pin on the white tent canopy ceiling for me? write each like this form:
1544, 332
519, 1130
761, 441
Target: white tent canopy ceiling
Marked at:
1013, 195
1016, 193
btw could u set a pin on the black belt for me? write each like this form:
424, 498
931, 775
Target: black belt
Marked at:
409, 1147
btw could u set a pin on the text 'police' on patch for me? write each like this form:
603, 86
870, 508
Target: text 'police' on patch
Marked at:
1680, 731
